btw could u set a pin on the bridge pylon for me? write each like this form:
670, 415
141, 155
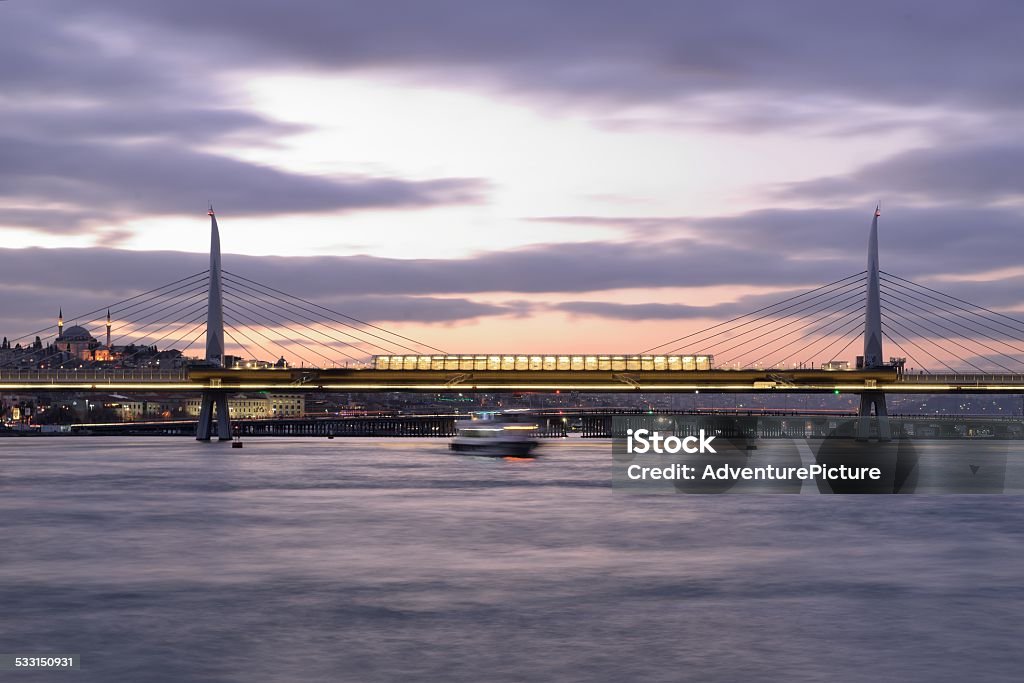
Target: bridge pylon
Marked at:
214, 401
873, 345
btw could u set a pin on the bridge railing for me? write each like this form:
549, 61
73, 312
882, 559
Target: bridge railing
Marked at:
961, 378
88, 376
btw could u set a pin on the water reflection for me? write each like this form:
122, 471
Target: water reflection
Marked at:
381, 560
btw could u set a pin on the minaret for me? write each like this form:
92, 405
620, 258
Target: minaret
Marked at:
60, 323
214, 309
873, 310
108, 329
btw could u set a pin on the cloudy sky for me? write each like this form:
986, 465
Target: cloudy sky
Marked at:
499, 176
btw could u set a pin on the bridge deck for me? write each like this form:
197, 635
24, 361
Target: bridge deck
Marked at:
369, 380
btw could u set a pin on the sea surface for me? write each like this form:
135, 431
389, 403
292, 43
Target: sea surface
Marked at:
164, 559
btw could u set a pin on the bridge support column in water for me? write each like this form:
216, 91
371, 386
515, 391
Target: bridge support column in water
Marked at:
873, 345
215, 403
214, 398
867, 400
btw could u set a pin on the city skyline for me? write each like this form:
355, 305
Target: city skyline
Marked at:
538, 179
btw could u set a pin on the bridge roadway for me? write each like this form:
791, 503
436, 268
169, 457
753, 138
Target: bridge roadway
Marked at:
369, 380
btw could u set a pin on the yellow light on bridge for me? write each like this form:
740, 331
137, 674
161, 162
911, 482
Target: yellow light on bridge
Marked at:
564, 363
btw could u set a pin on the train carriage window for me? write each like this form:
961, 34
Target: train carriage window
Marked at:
562, 363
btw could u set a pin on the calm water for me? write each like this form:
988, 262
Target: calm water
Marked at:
381, 560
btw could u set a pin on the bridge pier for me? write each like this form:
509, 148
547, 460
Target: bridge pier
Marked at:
214, 403
867, 400
873, 344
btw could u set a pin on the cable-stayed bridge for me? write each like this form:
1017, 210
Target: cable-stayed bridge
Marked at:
256, 337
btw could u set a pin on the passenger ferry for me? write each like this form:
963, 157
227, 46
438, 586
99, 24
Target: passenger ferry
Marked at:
495, 434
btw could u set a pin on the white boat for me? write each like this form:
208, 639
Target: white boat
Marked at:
495, 434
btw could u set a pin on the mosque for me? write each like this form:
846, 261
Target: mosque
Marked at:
79, 344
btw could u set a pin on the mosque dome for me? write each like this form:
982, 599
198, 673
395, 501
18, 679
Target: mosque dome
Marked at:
76, 333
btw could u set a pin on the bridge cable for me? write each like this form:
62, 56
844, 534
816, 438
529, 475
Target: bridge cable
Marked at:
282, 323
838, 337
99, 323
889, 295
909, 335
949, 296
771, 317
814, 319
348, 317
241, 330
191, 304
935, 301
854, 338
88, 325
197, 337
242, 290
240, 301
759, 310
900, 293
772, 320
146, 347
227, 331
857, 307
30, 351
905, 352
952, 341
57, 351
813, 316
817, 300
240, 321
278, 344
195, 318
787, 321
50, 327
291, 310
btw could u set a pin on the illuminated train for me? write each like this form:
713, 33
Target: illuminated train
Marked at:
512, 363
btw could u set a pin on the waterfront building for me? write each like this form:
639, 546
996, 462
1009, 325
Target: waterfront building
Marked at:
259, 407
